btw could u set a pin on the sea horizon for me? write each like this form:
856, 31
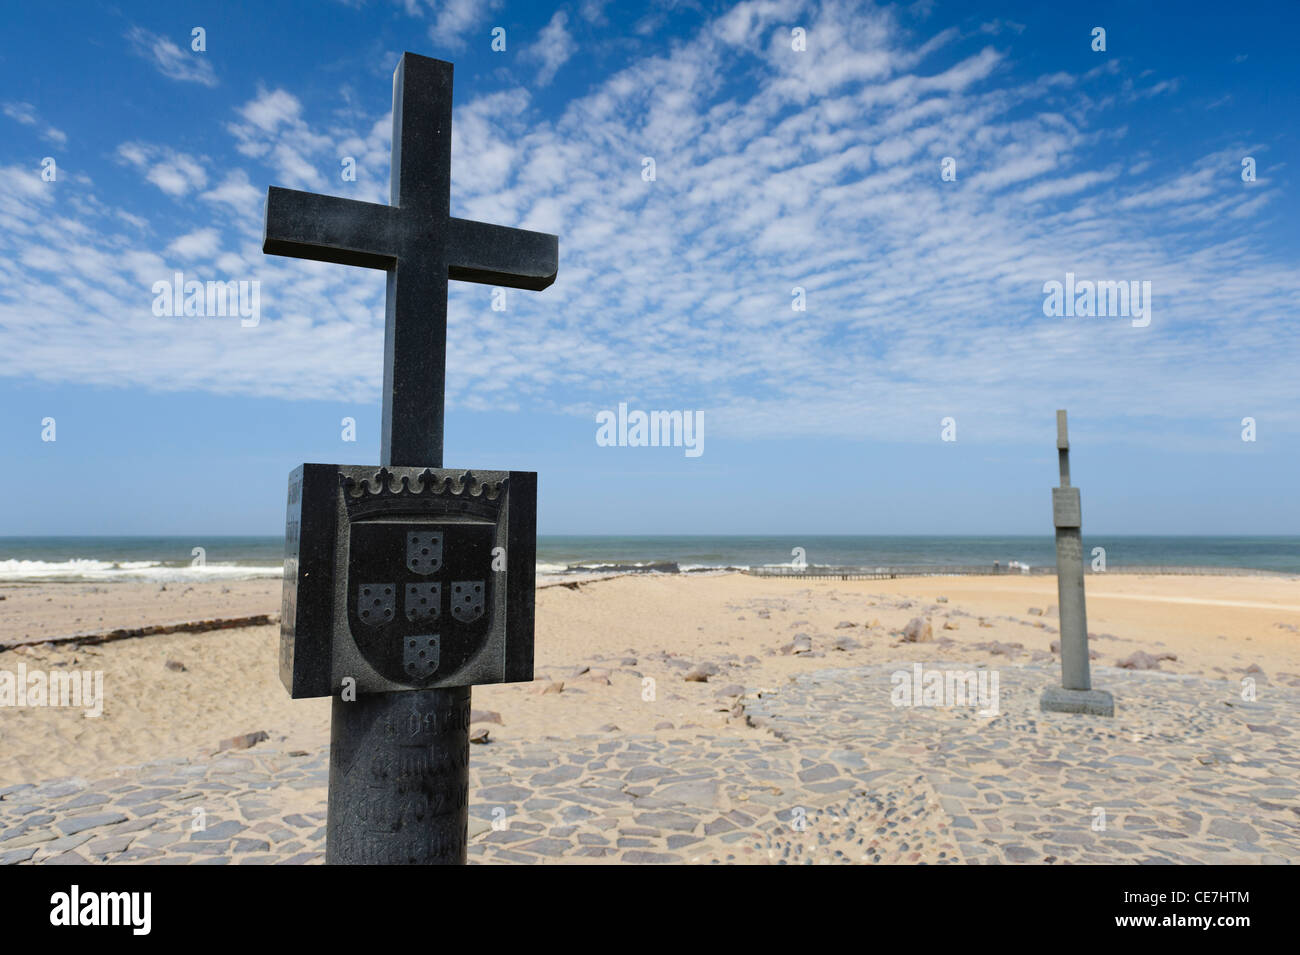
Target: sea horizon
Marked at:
198, 557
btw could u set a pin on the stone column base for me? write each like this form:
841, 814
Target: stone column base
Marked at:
1057, 699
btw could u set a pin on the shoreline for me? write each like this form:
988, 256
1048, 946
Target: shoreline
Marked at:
671, 569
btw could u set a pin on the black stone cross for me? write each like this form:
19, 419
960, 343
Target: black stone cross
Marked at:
420, 245
399, 758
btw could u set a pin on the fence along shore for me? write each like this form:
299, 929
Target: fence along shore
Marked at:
989, 570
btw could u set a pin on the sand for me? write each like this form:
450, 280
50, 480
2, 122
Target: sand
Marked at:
627, 631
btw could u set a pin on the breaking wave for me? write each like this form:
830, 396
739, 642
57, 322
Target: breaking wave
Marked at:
124, 570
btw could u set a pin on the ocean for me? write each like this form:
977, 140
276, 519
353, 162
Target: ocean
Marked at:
175, 559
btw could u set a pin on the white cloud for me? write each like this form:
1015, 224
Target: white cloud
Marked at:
170, 60
923, 296
553, 48
25, 113
455, 18
271, 109
593, 11
174, 173
274, 131
200, 244
236, 191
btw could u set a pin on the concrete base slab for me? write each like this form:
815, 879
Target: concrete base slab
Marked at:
1057, 699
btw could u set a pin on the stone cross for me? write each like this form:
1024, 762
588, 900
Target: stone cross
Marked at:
420, 245
1075, 695
407, 582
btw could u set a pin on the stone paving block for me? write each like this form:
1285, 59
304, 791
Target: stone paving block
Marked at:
72, 825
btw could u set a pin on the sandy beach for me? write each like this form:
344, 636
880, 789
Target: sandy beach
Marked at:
223, 683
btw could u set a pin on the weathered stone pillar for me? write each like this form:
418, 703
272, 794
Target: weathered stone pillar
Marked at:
1075, 694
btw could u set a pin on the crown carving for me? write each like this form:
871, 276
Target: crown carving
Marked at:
405, 490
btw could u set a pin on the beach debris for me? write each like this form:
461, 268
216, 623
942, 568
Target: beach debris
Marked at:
485, 716
664, 725
1141, 660
1036, 611
1269, 729
542, 687
299, 752
942, 600
185, 626
949, 625
985, 623
609, 728
599, 677
246, 741
731, 689
999, 649
579, 671
802, 643
844, 642
480, 735
701, 672
176, 666
845, 624
628, 662
918, 630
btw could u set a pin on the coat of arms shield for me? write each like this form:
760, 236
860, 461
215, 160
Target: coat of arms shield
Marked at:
419, 595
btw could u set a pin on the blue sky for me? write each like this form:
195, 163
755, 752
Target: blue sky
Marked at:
775, 168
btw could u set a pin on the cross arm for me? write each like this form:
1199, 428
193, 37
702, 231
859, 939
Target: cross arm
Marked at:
330, 229
498, 255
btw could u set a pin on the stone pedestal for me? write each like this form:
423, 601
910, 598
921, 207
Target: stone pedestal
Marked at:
1057, 699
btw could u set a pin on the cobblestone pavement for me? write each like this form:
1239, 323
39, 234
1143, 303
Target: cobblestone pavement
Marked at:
830, 772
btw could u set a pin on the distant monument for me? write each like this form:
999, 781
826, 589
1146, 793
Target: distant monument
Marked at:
406, 583
1075, 694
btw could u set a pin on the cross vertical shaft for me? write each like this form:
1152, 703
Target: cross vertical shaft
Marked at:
415, 328
1063, 448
